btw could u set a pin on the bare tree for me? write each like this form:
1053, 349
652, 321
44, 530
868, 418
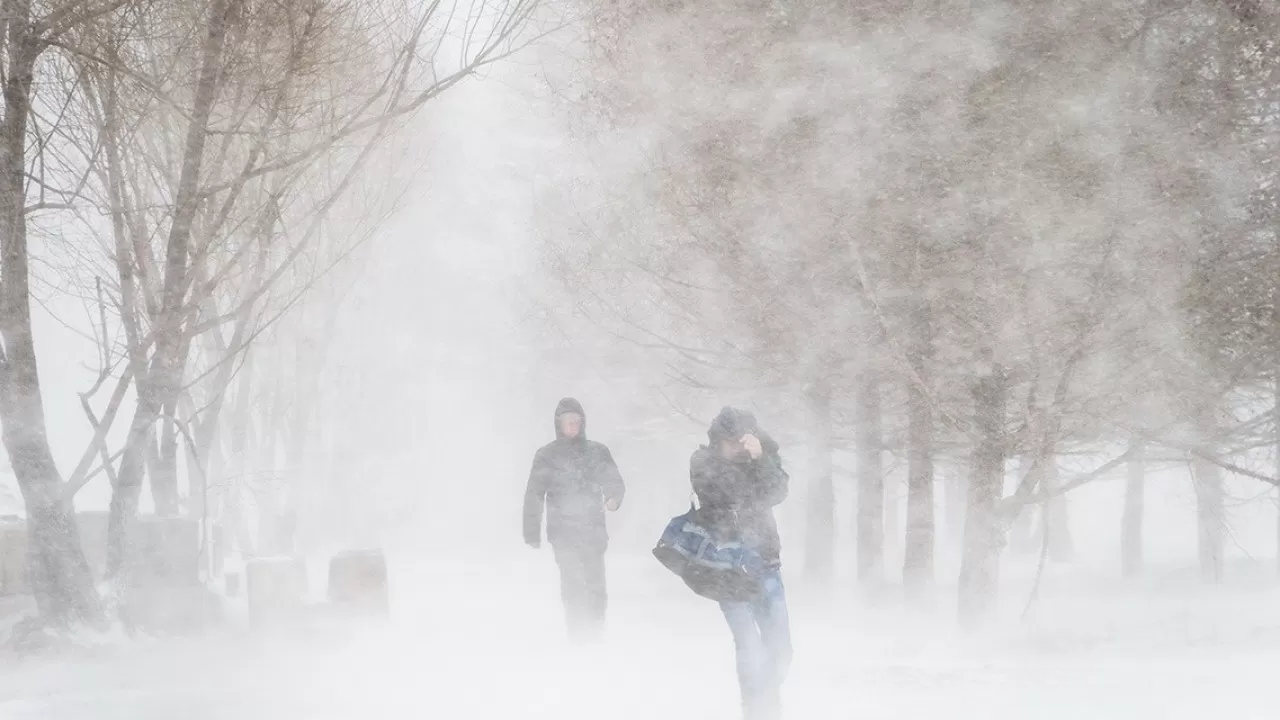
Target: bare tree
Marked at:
217, 170
871, 477
312, 92
820, 522
1131, 543
59, 572
996, 248
917, 563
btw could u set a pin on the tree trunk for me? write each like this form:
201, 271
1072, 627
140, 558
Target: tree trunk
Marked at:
1276, 422
58, 571
275, 518
153, 463
164, 469
196, 463
1131, 560
984, 531
170, 503
238, 465
820, 522
957, 494
208, 441
1210, 504
1022, 538
261, 453
870, 510
222, 354
162, 381
1055, 513
894, 484
128, 488
60, 577
917, 554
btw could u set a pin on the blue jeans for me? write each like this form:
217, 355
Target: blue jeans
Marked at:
762, 639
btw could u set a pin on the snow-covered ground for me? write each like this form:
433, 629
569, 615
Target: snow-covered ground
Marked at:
483, 640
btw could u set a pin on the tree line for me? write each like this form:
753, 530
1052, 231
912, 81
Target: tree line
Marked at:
194, 171
980, 234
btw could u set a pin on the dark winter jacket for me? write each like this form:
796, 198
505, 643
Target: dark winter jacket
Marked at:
573, 477
736, 497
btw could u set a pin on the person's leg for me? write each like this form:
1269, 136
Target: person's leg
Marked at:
772, 618
572, 587
749, 652
596, 598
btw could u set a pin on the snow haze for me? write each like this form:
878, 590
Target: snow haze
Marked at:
1020, 243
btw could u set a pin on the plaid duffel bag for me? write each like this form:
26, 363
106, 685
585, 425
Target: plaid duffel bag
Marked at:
724, 571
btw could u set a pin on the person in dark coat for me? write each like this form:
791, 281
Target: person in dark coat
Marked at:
576, 480
739, 479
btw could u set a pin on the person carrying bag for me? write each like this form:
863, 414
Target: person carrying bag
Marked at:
727, 549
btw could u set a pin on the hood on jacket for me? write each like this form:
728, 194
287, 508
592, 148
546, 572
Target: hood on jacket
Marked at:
569, 405
731, 424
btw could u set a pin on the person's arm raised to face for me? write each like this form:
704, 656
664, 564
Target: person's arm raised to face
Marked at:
772, 482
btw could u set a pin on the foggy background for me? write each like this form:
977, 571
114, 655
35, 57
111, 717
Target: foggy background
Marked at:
575, 222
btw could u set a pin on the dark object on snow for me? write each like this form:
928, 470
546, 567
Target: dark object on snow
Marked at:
720, 571
737, 496
358, 582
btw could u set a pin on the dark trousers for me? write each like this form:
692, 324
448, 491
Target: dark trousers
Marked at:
582, 590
